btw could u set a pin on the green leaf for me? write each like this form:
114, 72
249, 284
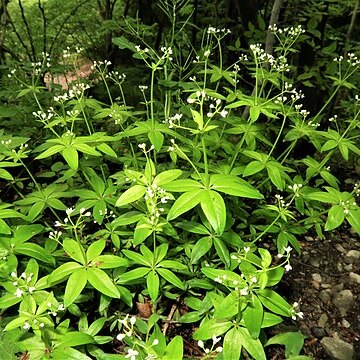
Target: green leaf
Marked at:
142, 231
253, 347
106, 149
322, 197
293, 341
51, 151
335, 217
71, 157
182, 185
135, 193
353, 219
274, 302
86, 149
4, 174
275, 175
136, 257
170, 277
184, 203
211, 327
214, 209
253, 317
167, 176
95, 249
75, 286
35, 251
133, 275
63, 271
156, 138
153, 284
228, 308
253, 168
75, 338
9, 300
233, 185
197, 117
174, 350
127, 219
232, 345
101, 282
222, 251
74, 250
110, 261
200, 248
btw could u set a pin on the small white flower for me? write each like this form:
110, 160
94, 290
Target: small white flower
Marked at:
246, 249
132, 354
155, 342
133, 320
13, 274
219, 349
244, 291
18, 293
120, 337
31, 289
288, 267
223, 113
215, 339
69, 211
200, 344
26, 326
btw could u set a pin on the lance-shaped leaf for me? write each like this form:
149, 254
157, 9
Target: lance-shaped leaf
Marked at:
135, 193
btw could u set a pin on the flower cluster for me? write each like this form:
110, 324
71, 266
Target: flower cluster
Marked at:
100, 65
214, 31
295, 188
213, 349
22, 283
44, 116
295, 313
292, 32
357, 189
167, 53
155, 197
215, 108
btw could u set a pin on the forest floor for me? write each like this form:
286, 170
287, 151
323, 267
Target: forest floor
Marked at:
325, 281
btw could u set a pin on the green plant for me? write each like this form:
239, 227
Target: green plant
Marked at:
190, 202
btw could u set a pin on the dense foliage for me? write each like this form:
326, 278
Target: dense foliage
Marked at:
164, 189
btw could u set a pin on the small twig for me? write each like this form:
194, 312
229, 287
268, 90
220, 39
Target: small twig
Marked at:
167, 323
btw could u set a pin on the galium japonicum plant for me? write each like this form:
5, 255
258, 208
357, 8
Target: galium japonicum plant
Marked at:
203, 209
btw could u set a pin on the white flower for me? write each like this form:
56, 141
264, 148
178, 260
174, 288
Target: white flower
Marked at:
219, 349
246, 249
13, 274
132, 354
207, 53
26, 325
244, 291
288, 267
223, 113
215, 339
133, 320
31, 289
69, 211
200, 344
120, 337
288, 249
18, 293
155, 342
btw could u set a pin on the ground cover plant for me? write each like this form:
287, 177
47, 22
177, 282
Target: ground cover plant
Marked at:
160, 228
